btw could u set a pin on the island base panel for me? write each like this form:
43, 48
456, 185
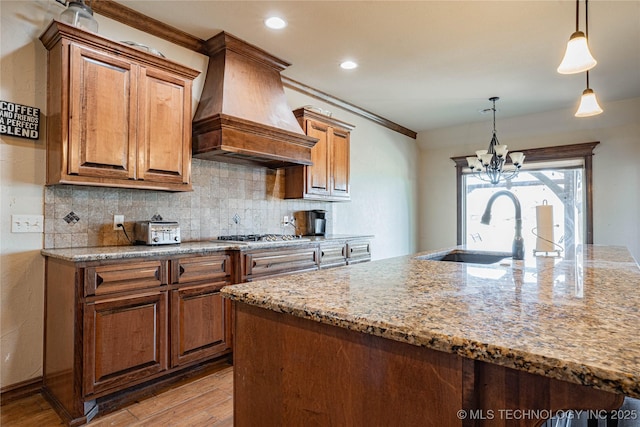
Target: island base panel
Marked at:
297, 372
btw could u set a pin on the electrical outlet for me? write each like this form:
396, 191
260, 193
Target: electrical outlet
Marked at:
27, 223
117, 219
285, 219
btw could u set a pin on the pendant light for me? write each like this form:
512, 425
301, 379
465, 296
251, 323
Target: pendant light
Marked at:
577, 57
488, 165
588, 103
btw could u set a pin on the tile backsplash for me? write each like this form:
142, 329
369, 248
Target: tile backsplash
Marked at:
226, 199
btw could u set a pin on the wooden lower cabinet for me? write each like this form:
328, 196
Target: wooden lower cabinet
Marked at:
200, 316
125, 340
114, 328
117, 327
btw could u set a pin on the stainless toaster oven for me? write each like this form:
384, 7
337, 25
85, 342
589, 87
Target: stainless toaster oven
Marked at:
156, 232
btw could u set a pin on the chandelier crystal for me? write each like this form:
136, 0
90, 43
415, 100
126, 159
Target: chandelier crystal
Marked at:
488, 165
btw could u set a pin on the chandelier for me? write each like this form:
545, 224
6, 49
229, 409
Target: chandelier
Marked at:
489, 164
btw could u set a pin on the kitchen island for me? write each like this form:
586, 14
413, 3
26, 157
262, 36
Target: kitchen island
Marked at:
412, 341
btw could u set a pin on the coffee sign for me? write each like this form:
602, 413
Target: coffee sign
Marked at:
19, 120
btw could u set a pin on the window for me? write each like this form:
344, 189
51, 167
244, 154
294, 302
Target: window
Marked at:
557, 176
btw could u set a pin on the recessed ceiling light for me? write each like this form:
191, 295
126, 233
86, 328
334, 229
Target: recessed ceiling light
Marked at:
348, 65
275, 22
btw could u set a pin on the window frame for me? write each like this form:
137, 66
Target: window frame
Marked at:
582, 151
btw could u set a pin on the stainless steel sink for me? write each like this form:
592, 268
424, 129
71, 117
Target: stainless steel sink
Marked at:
472, 257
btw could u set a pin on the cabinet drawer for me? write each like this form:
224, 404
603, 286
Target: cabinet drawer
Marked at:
333, 255
358, 252
279, 261
108, 279
215, 268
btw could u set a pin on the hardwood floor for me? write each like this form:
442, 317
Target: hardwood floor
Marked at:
204, 401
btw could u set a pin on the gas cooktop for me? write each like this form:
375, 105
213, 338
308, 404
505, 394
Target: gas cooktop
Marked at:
261, 237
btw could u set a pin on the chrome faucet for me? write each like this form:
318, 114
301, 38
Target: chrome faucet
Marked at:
518, 242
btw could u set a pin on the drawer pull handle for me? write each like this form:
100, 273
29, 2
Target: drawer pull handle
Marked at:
322, 254
99, 280
181, 270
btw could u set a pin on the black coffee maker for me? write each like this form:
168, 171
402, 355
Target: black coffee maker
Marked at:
315, 222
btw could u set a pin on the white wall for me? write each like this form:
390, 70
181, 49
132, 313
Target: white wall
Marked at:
382, 175
616, 176
23, 81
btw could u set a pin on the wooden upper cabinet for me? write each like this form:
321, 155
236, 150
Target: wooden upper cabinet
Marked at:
116, 116
328, 178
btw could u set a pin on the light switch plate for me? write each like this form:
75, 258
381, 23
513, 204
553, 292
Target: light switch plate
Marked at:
27, 223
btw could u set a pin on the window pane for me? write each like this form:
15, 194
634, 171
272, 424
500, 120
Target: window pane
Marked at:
563, 189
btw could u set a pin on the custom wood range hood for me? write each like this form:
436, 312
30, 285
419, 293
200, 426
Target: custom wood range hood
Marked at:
243, 116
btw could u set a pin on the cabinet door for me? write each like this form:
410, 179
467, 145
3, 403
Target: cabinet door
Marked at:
318, 175
340, 163
198, 318
164, 138
125, 341
102, 108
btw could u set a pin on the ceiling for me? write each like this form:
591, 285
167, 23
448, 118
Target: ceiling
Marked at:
431, 64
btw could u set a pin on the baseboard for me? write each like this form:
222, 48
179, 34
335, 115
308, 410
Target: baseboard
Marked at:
19, 390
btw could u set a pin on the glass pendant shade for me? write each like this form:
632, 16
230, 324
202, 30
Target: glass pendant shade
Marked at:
577, 57
79, 15
588, 104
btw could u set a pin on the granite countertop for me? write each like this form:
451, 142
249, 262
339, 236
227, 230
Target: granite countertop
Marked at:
574, 318
87, 254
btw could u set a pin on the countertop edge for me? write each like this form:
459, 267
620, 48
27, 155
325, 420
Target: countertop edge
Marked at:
576, 373
99, 253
